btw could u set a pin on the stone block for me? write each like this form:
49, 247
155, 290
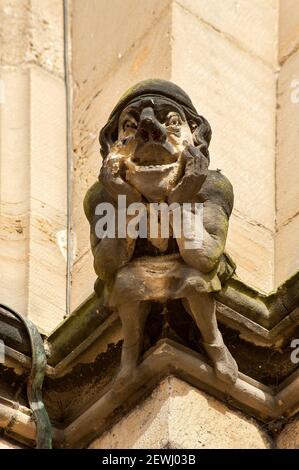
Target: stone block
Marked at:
288, 28
98, 27
286, 251
252, 249
31, 31
47, 274
287, 164
237, 94
14, 33
289, 436
83, 279
46, 44
14, 187
48, 140
249, 24
14, 235
33, 194
15, 141
178, 416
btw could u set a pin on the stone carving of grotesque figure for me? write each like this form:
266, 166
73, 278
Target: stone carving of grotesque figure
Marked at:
155, 149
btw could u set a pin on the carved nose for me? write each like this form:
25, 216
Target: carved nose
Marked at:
149, 128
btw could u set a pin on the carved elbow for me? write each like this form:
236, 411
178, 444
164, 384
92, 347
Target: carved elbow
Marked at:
104, 265
210, 263
204, 263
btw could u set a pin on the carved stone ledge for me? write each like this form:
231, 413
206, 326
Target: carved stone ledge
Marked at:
261, 319
95, 357
168, 358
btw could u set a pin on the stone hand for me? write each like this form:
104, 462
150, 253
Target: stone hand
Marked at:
112, 175
196, 169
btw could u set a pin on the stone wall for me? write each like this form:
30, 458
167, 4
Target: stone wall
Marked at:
33, 160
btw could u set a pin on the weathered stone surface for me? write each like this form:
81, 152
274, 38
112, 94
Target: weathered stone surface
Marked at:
33, 194
288, 28
286, 251
83, 276
179, 416
14, 144
33, 160
287, 164
48, 198
249, 24
13, 30
46, 40
289, 436
31, 31
48, 141
256, 262
95, 25
230, 83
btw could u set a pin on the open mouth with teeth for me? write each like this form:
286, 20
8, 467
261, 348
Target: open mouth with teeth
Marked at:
154, 156
154, 170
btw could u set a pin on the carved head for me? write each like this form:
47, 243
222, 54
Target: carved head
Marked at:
148, 130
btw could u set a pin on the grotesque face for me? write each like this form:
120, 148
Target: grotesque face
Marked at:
153, 132
159, 128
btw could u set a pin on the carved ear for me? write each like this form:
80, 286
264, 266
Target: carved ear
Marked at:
202, 134
108, 136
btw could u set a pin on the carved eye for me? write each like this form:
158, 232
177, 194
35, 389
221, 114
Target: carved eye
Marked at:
173, 120
129, 124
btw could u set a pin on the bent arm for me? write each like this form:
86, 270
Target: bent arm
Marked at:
202, 248
216, 196
110, 254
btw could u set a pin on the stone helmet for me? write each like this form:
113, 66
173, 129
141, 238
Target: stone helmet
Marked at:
157, 87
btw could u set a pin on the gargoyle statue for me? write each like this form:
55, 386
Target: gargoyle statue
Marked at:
155, 153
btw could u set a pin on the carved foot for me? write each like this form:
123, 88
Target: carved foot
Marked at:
225, 366
129, 361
